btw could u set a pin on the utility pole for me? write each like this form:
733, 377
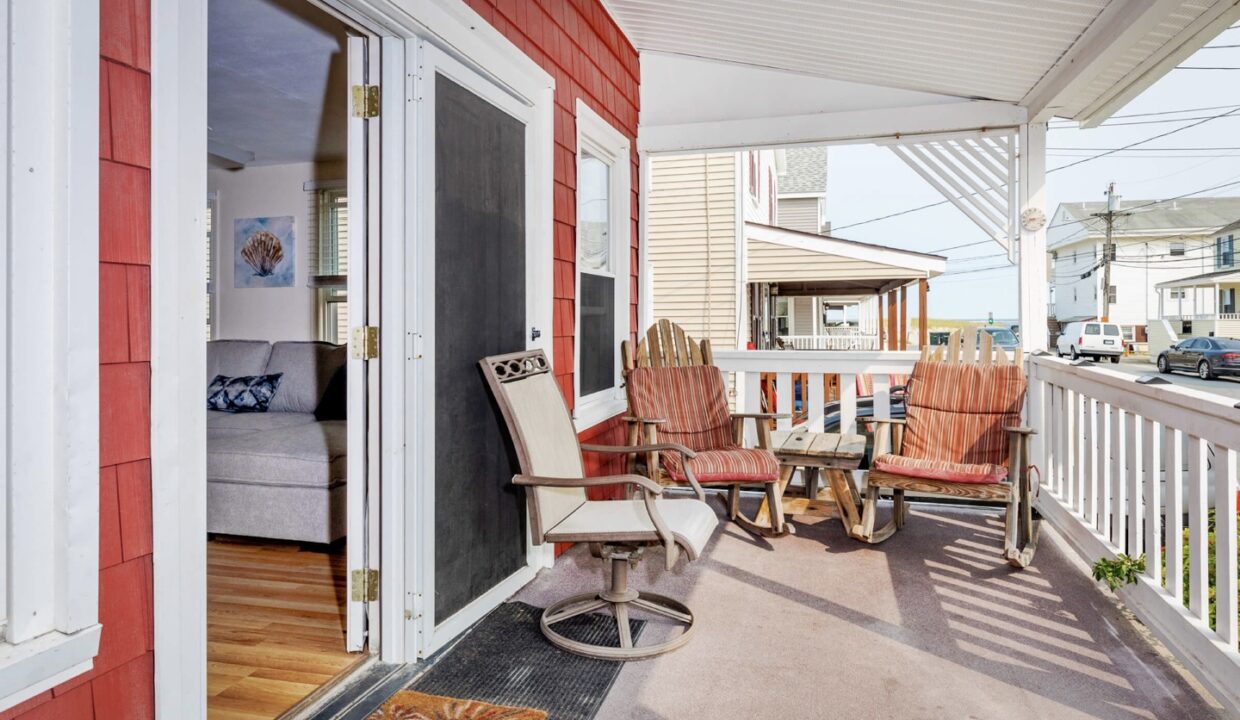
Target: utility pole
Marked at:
1108, 249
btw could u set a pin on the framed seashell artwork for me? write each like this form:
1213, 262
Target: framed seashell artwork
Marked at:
265, 252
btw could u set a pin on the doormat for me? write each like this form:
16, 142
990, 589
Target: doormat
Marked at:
409, 705
506, 660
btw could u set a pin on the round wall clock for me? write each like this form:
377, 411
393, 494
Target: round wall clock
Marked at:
1032, 219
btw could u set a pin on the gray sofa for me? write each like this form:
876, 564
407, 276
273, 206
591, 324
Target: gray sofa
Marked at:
281, 473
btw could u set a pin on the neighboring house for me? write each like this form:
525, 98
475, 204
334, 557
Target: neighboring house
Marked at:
1159, 242
801, 190
1203, 304
716, 242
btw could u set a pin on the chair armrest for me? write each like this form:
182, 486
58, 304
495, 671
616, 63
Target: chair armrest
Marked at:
653, 447
583, 482
1021, 430
761, 416
887, 421
646, 421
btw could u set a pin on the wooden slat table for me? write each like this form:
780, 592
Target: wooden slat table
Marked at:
830, 454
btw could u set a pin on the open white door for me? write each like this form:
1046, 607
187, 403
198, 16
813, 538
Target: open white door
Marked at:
363, 365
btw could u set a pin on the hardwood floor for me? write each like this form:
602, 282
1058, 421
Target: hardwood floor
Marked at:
275, 626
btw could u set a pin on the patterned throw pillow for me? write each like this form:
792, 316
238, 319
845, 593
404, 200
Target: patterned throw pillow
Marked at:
249, 393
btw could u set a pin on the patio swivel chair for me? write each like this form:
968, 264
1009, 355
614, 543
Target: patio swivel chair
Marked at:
618, 531
675, 394
961, 437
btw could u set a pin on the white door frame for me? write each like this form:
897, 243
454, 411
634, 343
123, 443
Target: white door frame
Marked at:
178, 363
436, 632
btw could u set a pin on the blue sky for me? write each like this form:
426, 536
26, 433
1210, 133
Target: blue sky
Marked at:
867, 182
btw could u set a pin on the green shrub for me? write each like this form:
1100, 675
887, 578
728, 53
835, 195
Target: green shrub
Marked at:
1123, 570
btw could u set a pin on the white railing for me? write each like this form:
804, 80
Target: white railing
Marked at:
1123, 464
749, 365
833, 341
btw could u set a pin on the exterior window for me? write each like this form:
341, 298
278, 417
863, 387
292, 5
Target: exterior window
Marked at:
49, 387
1176, 294
1129, 332
1108, 252
1223, 251
1176, 248
770, 194
782, 327
330, 262
1111, 294
1227, 300
209, 221
603, 315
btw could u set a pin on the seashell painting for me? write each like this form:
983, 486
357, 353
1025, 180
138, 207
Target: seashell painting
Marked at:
264, 252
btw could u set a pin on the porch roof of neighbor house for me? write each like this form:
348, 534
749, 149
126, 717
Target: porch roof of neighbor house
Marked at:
960, 64
1210, 279
808, 264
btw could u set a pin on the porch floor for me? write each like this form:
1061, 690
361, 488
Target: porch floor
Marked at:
930, 624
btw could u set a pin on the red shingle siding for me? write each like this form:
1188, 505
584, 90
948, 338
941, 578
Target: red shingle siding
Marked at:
577, 42
121, 684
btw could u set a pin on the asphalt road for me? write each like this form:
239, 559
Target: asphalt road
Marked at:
1228, 387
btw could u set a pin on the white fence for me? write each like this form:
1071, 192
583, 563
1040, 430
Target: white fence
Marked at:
748, 366
1123, 464
833, 341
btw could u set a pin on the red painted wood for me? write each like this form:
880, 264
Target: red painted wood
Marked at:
125, 613
130, 99
105, 121
138, 284
23, 708
113, 314
124, 214
124, 413
124, 32
128, 691
110, 552
133, 490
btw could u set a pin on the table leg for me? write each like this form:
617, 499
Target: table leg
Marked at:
847, 499
763, 517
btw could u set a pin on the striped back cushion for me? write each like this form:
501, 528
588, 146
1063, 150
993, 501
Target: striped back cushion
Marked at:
692, 399
956, 412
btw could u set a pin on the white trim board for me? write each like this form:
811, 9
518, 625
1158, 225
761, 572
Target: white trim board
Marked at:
920, 262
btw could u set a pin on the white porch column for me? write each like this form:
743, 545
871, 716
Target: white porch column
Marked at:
1032, 279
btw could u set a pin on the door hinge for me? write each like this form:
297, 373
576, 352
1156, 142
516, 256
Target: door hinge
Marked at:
364, 585
365, 101
365, 342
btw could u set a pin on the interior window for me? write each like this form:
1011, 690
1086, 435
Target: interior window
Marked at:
1091, 329
330, 262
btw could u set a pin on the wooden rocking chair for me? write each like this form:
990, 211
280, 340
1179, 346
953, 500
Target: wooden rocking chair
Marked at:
961, 437
676, 394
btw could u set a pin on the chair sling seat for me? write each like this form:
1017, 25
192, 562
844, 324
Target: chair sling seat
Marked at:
979, 473
691, 523
693, 402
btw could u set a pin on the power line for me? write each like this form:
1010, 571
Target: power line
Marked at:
1201, 67
1055, 169
1139, 122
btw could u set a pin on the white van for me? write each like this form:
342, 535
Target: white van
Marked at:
1091, 339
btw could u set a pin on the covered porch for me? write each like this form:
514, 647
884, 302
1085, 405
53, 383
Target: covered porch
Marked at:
1201, 305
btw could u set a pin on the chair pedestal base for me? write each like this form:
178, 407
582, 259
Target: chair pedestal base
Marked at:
620, 599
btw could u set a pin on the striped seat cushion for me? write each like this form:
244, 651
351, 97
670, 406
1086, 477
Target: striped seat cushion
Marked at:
729, 465
940, 469
693, 401
956, 414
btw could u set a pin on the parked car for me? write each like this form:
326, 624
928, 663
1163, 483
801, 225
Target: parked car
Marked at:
1091, 339
1001, 337
865, 417
1206, 356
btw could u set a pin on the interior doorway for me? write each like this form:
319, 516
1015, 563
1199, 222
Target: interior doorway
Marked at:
291, 411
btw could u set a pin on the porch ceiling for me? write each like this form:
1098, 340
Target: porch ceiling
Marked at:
1081, 59
808, 264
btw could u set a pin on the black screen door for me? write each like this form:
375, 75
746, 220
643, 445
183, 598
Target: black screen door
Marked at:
479, 311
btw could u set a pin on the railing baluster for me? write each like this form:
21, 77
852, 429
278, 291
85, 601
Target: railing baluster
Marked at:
1198, 589
784, 400
752, 403
1102, 450
1089, 463
882, 396
1118, 524
1060, 430
1132, 481
1225, 544
1071, 443
817, 401
1150, 458
1173, 517
848, 403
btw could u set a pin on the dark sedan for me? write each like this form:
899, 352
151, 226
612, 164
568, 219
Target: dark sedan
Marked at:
1208, 357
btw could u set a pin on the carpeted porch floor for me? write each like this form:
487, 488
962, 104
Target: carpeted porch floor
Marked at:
931, 624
